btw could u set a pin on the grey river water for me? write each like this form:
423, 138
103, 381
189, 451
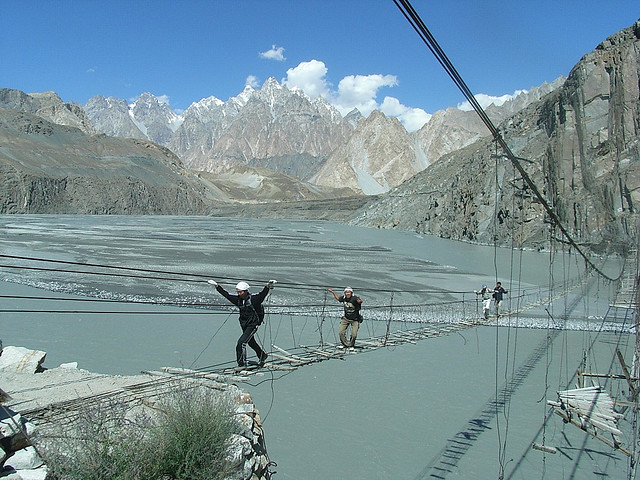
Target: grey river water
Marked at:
423, 410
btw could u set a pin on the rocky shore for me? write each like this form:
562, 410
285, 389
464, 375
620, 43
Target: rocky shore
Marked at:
36, 400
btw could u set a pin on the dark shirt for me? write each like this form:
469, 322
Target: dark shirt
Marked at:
498, 292
251, 309
351, 307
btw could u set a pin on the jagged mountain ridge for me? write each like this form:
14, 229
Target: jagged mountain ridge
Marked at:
452, 129
284, 130
48, 105
273, 127
378, 156
581, 145
47, 167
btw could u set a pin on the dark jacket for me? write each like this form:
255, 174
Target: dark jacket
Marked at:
498, 292
251, 309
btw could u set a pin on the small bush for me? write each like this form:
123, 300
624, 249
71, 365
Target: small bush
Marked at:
193, 437
186, 440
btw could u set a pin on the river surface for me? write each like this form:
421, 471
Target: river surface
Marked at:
120, 295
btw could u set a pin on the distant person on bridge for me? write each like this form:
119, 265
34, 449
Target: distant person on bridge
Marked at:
251, 316
486, 299
498, 292
351, 317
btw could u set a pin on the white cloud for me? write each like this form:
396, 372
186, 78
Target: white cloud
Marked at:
276, 53
354, 91
485, 100
412, 118
92, 69
360, 91
310, 78
252, 81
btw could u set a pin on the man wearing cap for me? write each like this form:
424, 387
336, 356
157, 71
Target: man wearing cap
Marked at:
351, 317
486, 299
251, 316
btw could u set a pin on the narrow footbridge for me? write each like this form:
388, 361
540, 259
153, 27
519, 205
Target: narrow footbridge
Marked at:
79, 393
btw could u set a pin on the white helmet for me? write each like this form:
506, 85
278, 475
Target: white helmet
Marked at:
242, 286
348, 289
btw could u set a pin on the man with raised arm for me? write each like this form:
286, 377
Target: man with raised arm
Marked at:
351, 317
251, 316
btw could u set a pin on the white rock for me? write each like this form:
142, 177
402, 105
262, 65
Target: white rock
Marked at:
239, 448
37, 474
70, 365
11, 425
21, 360
25, 459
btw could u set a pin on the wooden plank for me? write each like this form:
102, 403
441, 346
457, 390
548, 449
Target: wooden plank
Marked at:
283, 351
289, 359
218, 381
615, 446
273, 366
322, 352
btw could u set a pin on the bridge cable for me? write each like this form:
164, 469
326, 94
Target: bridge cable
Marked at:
423, 32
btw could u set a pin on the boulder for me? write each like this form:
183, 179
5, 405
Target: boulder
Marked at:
21, 360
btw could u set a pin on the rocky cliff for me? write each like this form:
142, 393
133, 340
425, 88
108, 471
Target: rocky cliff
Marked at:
49, 106
579, 144
50, 168
377, 156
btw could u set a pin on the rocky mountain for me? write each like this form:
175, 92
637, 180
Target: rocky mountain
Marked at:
286, 131
46, 167
155, 119
273, 127
261, 185
146, 118
113, 117
378, 156
452, 129
47, 105
580, 146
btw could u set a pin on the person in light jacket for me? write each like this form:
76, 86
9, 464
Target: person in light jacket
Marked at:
486, 299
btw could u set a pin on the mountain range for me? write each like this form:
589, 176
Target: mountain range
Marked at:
285, 131
578, 136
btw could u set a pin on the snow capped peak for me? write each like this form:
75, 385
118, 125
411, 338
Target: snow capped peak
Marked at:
209, 102
242, 99
271, 82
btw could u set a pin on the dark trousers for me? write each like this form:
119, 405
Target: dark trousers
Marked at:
247, 338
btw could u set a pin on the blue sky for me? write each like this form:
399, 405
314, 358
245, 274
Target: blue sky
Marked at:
356, 53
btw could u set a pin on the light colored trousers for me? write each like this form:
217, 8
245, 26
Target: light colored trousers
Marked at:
486, 305
342, 332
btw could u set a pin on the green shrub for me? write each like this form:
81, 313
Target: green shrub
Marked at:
186, 439
192, 440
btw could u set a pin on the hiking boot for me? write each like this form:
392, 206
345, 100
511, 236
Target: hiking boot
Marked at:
263, 358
